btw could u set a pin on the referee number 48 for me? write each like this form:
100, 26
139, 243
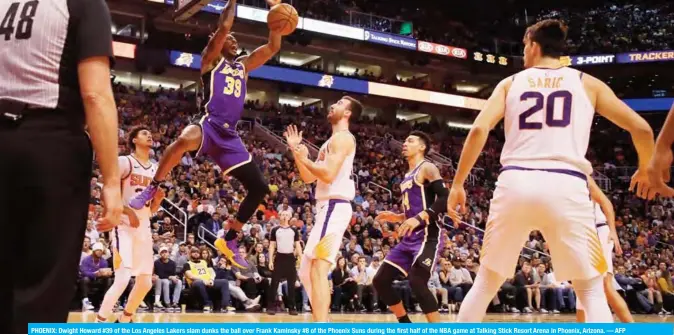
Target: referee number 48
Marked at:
22, 28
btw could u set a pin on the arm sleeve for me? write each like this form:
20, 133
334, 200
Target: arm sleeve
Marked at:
440, 204
92, 24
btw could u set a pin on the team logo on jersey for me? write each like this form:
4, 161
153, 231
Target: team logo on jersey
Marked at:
427, 262
185, 59
326, 81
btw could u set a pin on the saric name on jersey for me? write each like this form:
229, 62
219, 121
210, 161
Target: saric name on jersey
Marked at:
538, 82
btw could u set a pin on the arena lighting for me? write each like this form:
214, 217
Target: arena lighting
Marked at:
460, 125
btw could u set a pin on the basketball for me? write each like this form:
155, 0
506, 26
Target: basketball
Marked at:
282, 19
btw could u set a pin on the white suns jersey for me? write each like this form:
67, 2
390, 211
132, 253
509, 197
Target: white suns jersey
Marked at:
548, 116
343, 187
599, 216
135, 178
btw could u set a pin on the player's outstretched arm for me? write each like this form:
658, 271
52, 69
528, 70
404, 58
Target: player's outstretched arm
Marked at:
658, 169
211, 53
489, 117
341, 146
492, 112
262, 54
614, 109
294, 140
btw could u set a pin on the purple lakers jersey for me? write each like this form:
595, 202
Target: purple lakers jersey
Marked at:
416, 198
224, 93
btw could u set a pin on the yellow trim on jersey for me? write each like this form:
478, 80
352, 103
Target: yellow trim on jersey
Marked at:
325, 246
596, 251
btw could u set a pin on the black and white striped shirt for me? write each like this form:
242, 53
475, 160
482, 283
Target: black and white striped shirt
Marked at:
41, 44
285, 238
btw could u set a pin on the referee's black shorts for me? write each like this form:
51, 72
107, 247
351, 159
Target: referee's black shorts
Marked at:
45, 171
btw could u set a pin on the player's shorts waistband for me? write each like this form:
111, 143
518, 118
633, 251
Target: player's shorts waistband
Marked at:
602, 224
321, 203
573, 173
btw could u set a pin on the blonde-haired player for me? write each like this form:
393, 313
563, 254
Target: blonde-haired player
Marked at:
548, 111
334, 192
132, 239
608, 236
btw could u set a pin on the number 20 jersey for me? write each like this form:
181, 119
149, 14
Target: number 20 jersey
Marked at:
225, 93
548, 116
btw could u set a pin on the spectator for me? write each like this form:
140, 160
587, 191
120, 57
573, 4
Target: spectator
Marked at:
524, 281
250, 280
224, 272
201, 279
667, 289
95, 274
86, 248
344, 286
165, 277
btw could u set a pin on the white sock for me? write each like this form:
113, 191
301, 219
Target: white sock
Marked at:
122, 277
474, 306
591, 294
156, 299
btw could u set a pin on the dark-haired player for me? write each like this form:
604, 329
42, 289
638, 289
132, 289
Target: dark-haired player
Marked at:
424, 197
224, 77
132, 239
548, 111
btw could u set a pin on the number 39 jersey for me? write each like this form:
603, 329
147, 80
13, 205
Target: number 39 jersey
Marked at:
548, 116
225, 93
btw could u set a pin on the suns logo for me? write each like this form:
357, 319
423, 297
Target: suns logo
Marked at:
326, 81
185, 59
566, 60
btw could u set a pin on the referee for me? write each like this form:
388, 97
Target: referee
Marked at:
54, 79
283, 247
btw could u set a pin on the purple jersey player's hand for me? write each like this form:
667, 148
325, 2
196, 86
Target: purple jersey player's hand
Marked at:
408, 227
143, 198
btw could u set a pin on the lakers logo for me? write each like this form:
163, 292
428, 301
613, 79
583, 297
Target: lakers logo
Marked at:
427, 262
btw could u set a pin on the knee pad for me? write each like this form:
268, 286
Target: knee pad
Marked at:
419, 283
383, 284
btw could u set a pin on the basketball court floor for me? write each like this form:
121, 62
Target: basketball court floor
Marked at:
336, 317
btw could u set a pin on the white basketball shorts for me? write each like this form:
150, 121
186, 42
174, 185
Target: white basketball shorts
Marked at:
555, 202
132, 249
325, 239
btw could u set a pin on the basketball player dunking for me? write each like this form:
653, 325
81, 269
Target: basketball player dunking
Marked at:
424, 197
334, 192
132, 239
224, 76
608, 236
548, 111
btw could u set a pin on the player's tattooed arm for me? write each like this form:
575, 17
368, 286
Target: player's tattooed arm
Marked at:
211, 53
263, 53
340, 146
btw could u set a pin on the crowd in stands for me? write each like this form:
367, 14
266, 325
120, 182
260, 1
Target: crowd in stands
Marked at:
595, 27
206, 201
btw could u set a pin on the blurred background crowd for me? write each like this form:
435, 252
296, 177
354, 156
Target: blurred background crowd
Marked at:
201, 201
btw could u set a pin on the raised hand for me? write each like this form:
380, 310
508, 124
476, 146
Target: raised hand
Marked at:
293, 137
273, 3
